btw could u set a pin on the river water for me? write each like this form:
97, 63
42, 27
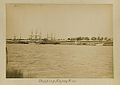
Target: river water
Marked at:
71, 61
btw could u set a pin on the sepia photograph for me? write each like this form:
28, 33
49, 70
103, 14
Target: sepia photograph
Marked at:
59, 41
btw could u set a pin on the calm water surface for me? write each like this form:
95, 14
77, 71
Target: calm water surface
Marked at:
61, 60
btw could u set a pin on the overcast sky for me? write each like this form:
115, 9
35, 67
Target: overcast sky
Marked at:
63, 20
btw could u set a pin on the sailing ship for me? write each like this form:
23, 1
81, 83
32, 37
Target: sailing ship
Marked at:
37, 39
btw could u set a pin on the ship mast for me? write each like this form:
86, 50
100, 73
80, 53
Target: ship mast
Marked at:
31, 36
54, 36
40, 36
51, 36
36, 35
14, 37
20, 37
47, 36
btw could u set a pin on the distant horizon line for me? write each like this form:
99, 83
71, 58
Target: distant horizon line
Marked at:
60, 38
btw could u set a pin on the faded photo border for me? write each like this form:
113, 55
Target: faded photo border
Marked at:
59, 81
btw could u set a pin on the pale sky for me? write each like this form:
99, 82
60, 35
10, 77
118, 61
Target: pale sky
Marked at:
63, 20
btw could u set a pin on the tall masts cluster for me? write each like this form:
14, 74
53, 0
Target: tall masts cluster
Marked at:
51, 36
16, 37
35, 36
38, 36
